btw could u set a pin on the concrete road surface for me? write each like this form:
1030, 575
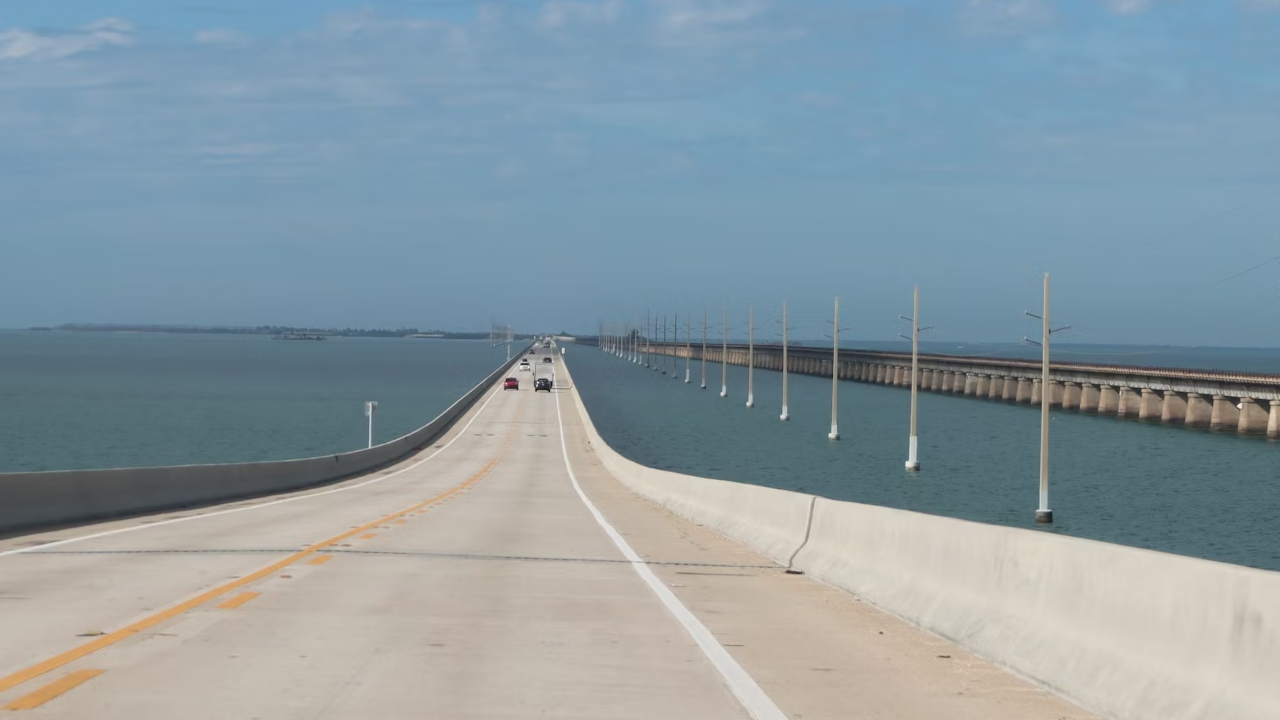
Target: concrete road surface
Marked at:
472, 581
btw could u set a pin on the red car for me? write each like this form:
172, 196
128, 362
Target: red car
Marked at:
511, 384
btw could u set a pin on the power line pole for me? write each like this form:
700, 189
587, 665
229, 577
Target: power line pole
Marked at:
724, 356
1043, 513
704, 347
751, 356
688, 348
913, 460
785, 414
835, 375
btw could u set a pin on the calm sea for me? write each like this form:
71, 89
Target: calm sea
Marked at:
1190, 492
73, 400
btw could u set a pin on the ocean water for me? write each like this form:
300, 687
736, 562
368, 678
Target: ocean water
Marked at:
71, 400
1183, 491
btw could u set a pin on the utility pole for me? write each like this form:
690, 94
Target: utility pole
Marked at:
751, 356
724, 356
835, 375
664, 344
704, 347
1043, 513
913, 460
688, 348
647, 345
785, 414
675, 345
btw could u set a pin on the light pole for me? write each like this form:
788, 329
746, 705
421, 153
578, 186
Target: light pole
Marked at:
648, 346
724, 355
370, 409
751, 356
688, 348
704, 347
1043, 513
675, 345
835, 375
785, 414
913, 460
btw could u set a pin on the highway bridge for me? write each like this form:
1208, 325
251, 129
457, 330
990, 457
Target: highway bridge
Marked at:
513, 566
1223, 401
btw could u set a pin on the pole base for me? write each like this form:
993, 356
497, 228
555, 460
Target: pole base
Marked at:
784, 417
834, 434
913, 465
704, 386
1044, 516
724, 392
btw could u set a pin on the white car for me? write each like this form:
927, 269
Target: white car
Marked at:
524, 366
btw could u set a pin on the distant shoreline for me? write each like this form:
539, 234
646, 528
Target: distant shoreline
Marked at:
270, 330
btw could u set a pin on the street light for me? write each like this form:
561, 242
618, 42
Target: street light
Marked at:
913, 460
1043, 513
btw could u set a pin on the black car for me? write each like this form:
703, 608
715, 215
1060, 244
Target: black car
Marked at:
542, 384
546, 359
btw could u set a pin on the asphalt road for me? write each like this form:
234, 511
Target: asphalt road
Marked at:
499, 574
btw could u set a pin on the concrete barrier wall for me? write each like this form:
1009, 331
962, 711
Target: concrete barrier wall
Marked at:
1131, 634
40, 499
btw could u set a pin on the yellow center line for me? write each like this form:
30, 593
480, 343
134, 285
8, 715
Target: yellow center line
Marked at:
62, 659
238, 600
366, 536
53, 690
320, 560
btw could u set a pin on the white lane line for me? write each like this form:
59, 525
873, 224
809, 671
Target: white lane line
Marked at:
68, 541
754, 700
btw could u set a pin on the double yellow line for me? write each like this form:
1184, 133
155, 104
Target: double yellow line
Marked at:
63, 659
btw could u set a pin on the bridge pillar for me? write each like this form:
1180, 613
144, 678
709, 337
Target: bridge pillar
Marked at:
1150, 407
1023, 393
1253, 419
1173, 409
904, 376
1070, 396
1108, 400
995, 387
1055, 393
983, 386
1199, 411
862, 371
1089, 396
1273, 422
1009, 391
1035, 392
1129, 404
957, 383
938, 377
891, 375
969, 380
1225, 415
878, 377
926, 379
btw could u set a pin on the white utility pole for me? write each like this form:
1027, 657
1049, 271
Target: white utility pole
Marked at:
751, 356
675, 345
835, 375
688, 347
913, 459
785, 414
1043, 513
704, 348
370, 409
724, 356
648, 346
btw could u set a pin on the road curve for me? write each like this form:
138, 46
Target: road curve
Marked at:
499, 574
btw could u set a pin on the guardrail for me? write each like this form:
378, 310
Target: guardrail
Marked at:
31, 500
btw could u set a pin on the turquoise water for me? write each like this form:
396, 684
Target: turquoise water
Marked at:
90, 400
1183, 491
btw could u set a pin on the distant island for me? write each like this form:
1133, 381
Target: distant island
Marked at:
286, 332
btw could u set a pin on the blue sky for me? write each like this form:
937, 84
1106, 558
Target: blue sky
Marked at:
552, 163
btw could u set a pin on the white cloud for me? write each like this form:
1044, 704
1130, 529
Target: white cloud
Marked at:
19, 44
701, 15
1005, 17
221, 37
559, 13
1128, 7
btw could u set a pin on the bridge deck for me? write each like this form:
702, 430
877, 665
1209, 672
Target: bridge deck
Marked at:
473, 584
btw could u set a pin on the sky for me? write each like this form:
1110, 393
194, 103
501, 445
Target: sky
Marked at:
554, 164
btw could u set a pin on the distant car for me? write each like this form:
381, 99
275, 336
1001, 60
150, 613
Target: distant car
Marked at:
511, 384
542, 384
524, 366
546, 359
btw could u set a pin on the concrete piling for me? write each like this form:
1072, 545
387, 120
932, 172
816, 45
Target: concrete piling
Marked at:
1199, 411
1108, 400
1070, 396
1253, 418
1150, 406
1023, 396
1173, 409
983, 386
1225, 416
1129, 403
